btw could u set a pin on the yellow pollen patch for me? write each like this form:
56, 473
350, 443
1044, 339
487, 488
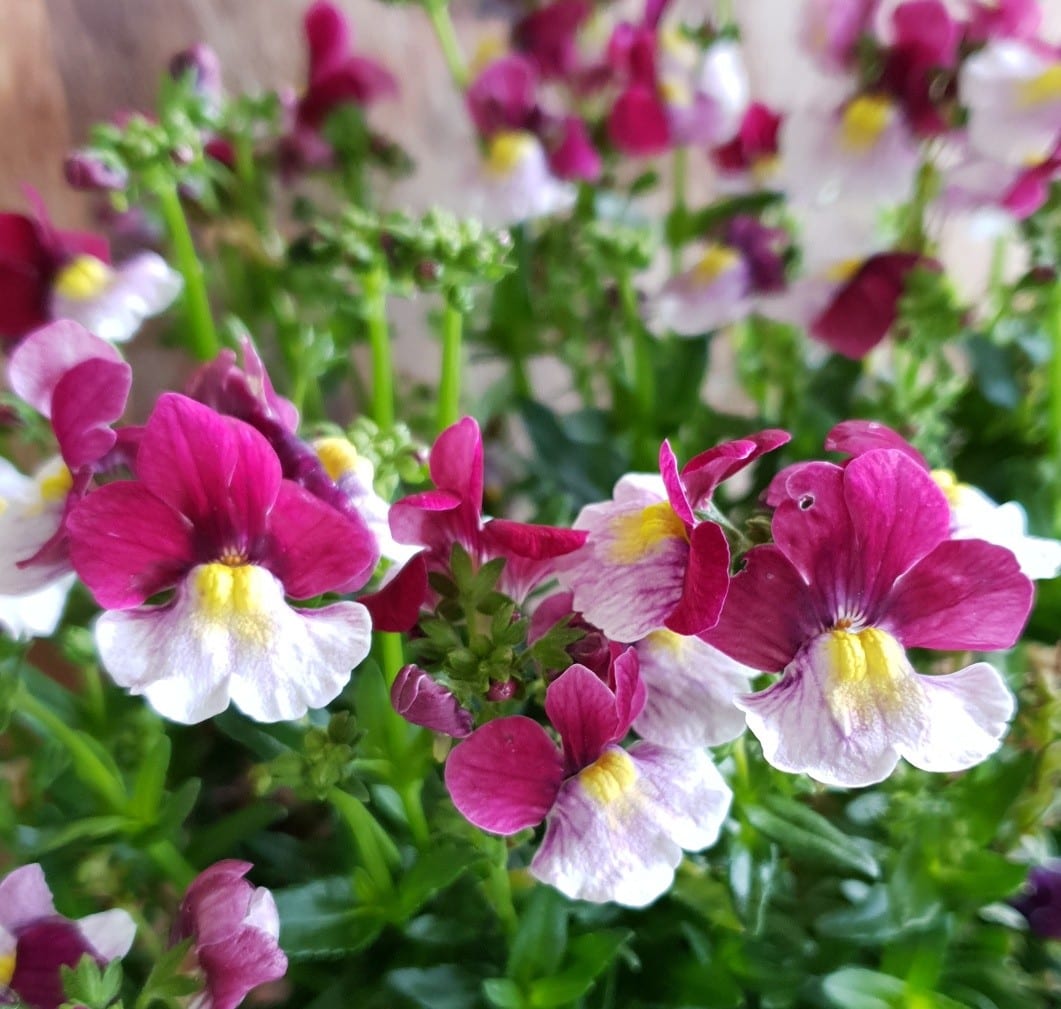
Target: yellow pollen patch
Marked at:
864, 120
715, 261
507, 149
953, 489
639, 534
490, 48
675, 91
84, 277
237, 597
56, 484
679, 46
4, 505
609, 777
867, 672
765, 168
1044, 87
667, 640
339, 457
843, 271
7, 968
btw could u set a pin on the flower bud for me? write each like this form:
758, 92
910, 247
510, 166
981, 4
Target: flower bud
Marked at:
422, 701
86, 171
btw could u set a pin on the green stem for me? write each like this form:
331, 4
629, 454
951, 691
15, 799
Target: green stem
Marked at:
449, 386
498, 885
679, 172
202, 336
250, 194
89, 767
1053, 327
377, 850
438, 12
642, 377
392, 655
412, 804
177, 868
374, 291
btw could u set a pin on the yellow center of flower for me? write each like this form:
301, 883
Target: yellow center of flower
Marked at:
840, 273
84, 277
236, 596
715, 261
339, 457
667, 641
866, 674
953, 489
490, 48
1044, 87
765, 168
56, 484
507, 149
609, 777
4, 505
674, 91
678, 46
864, 120
638, 534
7, 967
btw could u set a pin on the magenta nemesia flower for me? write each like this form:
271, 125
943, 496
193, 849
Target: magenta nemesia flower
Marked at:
210, 516
549, 37
753, 152
36, 941
861, 568
422, 700
650, 561
616, 819
234, 927
1004, 19
452, 513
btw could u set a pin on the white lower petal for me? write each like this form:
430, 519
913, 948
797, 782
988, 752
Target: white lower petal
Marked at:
31, 511
109, 933
616, 830
975, 516
211, 643
691, 692
36, 614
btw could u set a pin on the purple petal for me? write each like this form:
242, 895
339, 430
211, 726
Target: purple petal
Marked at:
456, 462
396, 606
422, 700
240, 963
668, 468
706, 581
88, 399
24, 897
43, 948
703, 473
505, 775
856, 437
583, 710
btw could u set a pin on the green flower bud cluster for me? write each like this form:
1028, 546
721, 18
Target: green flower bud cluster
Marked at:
324, 761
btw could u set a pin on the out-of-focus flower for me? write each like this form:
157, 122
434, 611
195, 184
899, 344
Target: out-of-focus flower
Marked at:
36, 942
831, 29
549, 37
514, 182
861, 568
234, 928
422, 700
753, 152
210, 516
650, 561
452, 514
1004, 19
1040, 902
616, 820
976, 183
87, 170
1012, 92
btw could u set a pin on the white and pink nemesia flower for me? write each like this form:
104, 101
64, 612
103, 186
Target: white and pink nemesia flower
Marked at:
36, 941
1012, 92
861, 568
113, 301
210, 516
616, 819
514, 182
649, 561
705, 94
234, 927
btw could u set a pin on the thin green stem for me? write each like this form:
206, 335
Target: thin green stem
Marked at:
1053, 327
642, 372
679, 172
374, 291
377, 850
202, 334
250, 194
498, 885
391, 653
412, 804
88, 765
449, 386
177, 868
438, 12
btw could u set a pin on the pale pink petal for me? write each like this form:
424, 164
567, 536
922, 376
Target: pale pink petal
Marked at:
88, 399
691, 690
24, 897
109, 933
36, 614
27, 522
505, 776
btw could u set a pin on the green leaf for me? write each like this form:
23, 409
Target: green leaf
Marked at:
151, 781
92, 828
445, 986
589, 956
433, 871
322, 920
215, 840
538, 945
503, 993
859, 988
806, 835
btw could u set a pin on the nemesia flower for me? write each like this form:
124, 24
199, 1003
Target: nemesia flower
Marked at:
234, 927
864, 153
1012, 92
721, 287
514, 182
36, 941
210, 516
973, 515
861, 568
976, 183
1040, 902
753, 152
452, 514
1004, 19
549, 37
650, 561
422, 700
616, 819
850, 307
830, 31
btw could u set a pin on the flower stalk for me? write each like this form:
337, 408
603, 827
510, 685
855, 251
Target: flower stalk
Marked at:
449, 387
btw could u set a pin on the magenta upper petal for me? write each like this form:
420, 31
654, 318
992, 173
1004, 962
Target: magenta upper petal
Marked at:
668, 468
327, 35
638, 123
630, 692
431, 519
40, 361
964, 594
703, 473
126, 545
856, 437
769, 612
246, 959
583, 710
87, 400
314, 548
505, 775
217, 471
456, 462
706, 581
396, 606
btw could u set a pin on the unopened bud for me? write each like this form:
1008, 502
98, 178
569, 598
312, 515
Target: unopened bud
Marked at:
86, 171
502, 690
203, 64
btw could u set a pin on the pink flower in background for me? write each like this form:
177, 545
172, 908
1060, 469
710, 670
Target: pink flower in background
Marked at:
549, 37
234, 928
1004, 19
36, 941
616, 819
753, 152
210, 516
863, 567
650, 560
